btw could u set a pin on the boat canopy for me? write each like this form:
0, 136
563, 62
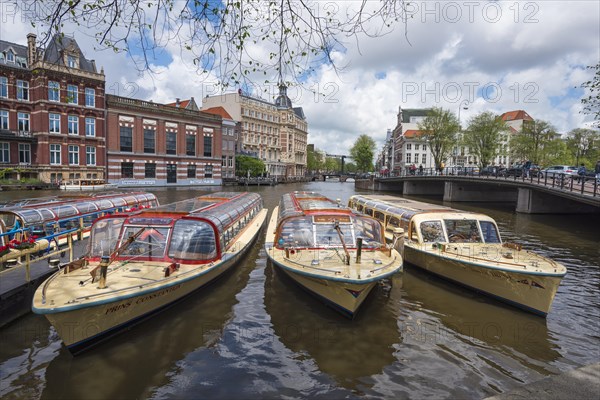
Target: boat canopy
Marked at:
36, 214
299, 203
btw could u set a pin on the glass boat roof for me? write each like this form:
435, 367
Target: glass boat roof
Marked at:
36, 213
300, 203
222, 208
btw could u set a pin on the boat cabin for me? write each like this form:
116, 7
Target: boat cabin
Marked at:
310, 220
428, 223
192, 231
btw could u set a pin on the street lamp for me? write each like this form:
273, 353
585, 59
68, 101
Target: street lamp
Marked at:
463, 105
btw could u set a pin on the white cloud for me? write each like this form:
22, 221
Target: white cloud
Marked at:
532, 53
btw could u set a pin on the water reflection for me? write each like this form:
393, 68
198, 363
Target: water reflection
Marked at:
347, 350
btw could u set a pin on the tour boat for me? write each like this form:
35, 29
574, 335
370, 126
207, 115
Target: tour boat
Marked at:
466, 248
139, 263
87, 184
34, 226
329, 250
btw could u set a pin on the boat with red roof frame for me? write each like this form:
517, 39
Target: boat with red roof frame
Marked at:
337, 255
138, 264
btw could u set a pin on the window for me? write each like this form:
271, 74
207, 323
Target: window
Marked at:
23, 122
3, 86
53, 91
4, 152
54, 123
408, 157
24, 153
22, 90
191, 171
3, 119
149, 141
190, 145
208, 171
10, 56
73, 155
90, 97
408, 146
71, 61
223, 161
230, 161
90, 155
72, 94
55, 154
424, 147
416, 147
207, 146
90, 126
149, 170
424, 159
126, 137
171, 143
73, 125
126, 170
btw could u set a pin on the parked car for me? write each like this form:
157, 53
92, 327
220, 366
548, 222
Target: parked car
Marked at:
517, 170
558, 170
493, 171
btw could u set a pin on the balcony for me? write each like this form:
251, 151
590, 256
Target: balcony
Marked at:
22, 136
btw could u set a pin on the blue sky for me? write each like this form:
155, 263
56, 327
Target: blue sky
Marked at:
492, 56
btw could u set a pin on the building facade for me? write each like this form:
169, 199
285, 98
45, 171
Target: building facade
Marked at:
408, 145
152, 144
51, 112
230, 136
273, 132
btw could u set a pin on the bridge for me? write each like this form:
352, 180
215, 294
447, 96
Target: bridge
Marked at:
533, 195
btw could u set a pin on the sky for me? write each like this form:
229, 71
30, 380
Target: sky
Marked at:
464, 56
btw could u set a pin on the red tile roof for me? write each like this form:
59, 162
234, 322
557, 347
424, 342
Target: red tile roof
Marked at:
182, 104
218, 111
516, 115
411, 133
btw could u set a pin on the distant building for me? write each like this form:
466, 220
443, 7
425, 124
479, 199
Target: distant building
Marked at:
273, 132
409, 147
151, 144
230, 134
51, 111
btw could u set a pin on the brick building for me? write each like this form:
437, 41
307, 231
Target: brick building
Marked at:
151, 144
51, 111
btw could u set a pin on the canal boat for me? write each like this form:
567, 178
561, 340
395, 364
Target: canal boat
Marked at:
334, 253
466, 248
140, 263
87, 185
33, 226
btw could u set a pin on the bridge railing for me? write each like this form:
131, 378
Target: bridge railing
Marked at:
584, 185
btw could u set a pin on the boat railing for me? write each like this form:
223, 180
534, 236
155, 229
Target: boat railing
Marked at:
31, 257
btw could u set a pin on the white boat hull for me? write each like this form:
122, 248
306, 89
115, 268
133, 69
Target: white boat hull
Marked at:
83, 321
530, 291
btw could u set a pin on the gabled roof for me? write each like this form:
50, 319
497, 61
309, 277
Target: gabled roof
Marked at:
516, 115
185, 104
412, 133
54, 52
20, 52
218, 111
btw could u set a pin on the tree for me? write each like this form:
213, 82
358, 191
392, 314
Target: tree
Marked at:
314, 160
332, 164
591, 103
584, 146
246, 163
483, 136
237, 39
439, 131
362, 152
534, 142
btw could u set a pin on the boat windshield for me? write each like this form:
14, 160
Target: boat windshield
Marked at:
104, 236
193, 240
490, 232
150, 241
463, 231
432, 231
321, 231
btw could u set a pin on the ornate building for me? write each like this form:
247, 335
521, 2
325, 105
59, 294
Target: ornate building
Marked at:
51, 111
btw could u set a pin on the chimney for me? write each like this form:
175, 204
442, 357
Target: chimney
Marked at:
177, 102
31, 50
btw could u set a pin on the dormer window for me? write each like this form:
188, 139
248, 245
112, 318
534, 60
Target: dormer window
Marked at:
71, 61
10, 56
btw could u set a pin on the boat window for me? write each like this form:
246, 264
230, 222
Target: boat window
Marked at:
65, 211
327, 235
393, 222
379, 215
360, 208
462, 230
370, 231
104, 236
297, 232
490, 233
193, 240
150, 241
431, 231
368, 211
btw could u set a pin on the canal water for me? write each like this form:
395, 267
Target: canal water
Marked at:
255, 334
